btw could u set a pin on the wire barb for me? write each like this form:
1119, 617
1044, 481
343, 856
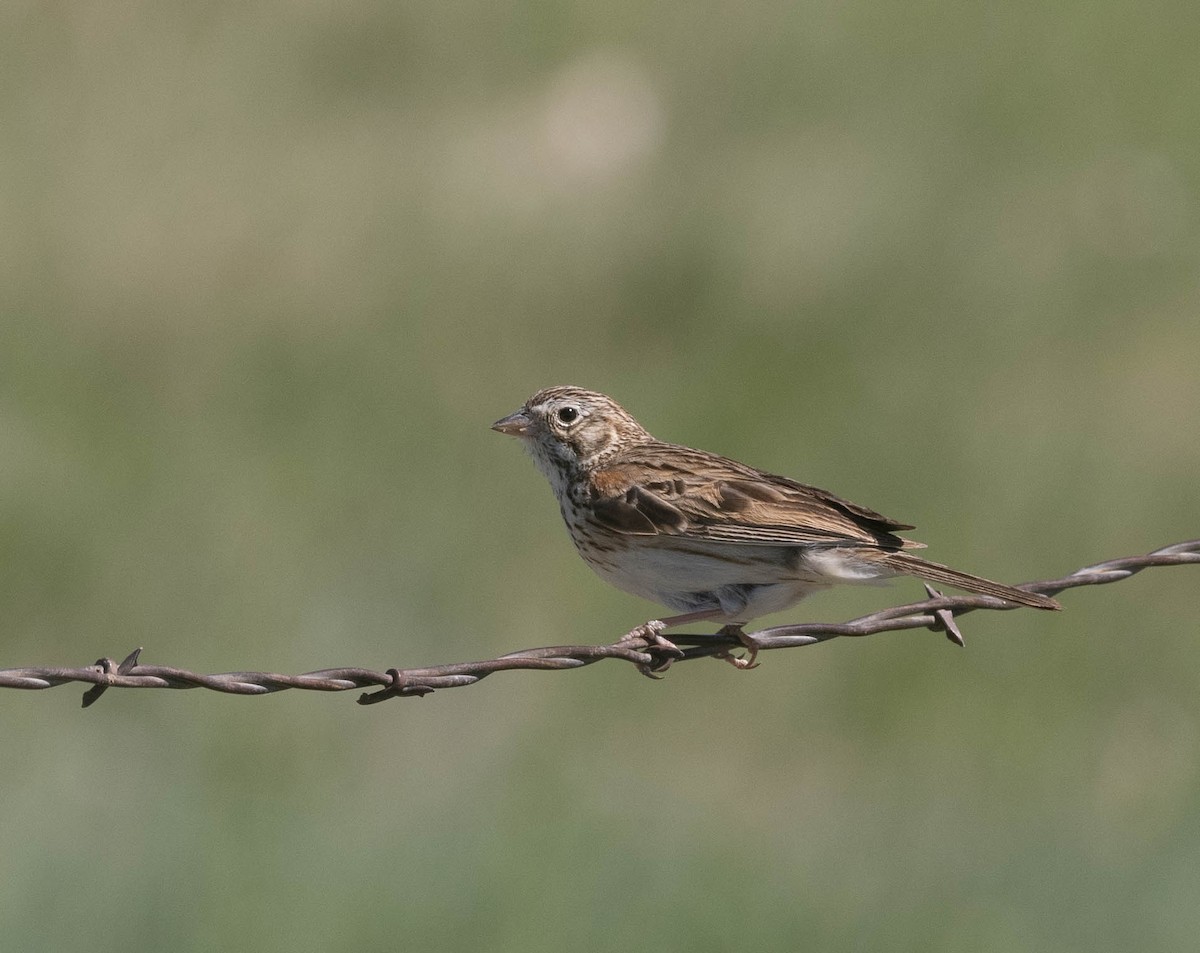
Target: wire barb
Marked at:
945, 620
938, 613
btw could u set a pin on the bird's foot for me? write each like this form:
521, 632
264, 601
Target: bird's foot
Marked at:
742, 662
652, 634
663, 649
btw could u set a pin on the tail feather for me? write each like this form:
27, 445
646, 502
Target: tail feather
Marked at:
936, 572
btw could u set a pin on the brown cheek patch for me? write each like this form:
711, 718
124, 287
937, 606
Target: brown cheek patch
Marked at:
609, 483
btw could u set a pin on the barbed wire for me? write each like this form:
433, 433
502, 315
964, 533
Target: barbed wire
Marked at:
938, 613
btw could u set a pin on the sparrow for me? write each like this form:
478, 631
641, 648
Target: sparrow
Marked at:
706, 536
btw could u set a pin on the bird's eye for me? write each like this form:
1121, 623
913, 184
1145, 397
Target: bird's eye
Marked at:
567, 415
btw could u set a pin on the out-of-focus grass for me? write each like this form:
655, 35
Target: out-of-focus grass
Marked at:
268, 271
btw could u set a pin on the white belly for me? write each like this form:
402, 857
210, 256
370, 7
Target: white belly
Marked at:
743, 581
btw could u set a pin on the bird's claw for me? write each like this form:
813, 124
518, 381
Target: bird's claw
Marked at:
663, 650
656, 670
651, 633
741, 662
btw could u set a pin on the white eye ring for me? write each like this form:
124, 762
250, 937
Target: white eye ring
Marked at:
567, 415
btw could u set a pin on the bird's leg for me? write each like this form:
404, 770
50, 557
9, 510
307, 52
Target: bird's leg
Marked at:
652, 631
739, 661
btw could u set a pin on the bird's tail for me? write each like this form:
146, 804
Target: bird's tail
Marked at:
936, 572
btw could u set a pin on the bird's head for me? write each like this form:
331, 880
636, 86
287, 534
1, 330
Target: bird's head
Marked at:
568, 429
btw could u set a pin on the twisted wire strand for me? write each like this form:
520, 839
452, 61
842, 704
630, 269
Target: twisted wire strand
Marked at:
938, 613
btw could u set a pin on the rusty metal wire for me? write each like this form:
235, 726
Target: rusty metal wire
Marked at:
937, 613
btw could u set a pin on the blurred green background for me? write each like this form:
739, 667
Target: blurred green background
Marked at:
268, 271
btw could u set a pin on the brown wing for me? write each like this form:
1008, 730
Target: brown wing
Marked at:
662, 489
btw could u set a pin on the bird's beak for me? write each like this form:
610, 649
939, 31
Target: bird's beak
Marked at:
515, 425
